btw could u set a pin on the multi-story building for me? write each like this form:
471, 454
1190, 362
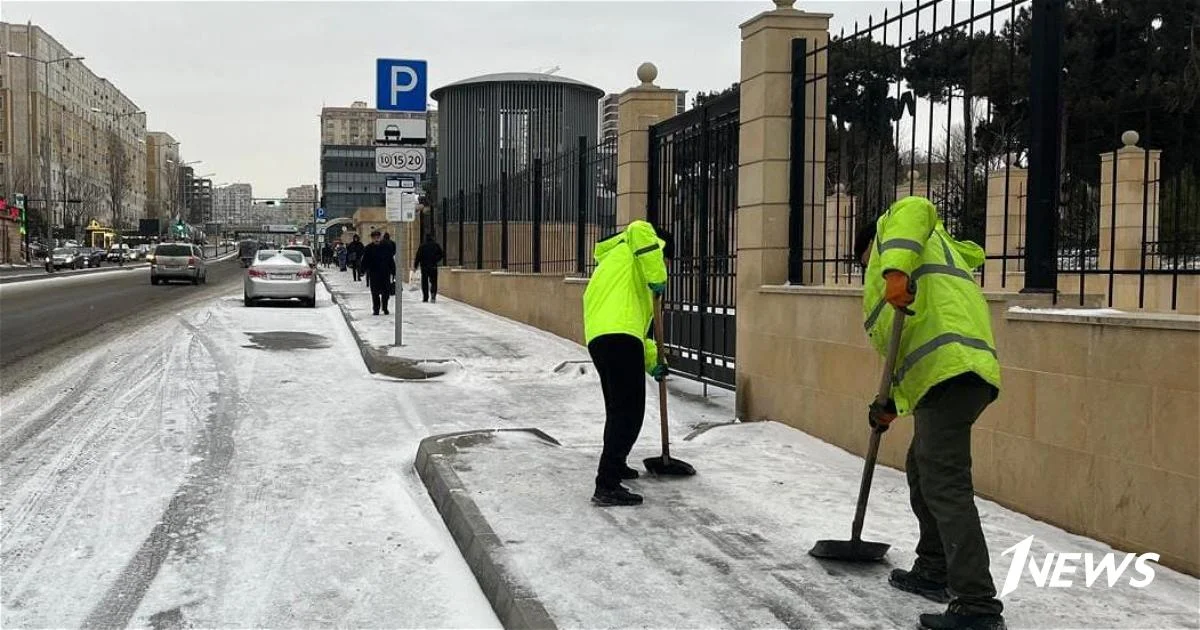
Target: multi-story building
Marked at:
609, 117
300, 203
66, 134
231, 204
198, 199
348, 177
164, 183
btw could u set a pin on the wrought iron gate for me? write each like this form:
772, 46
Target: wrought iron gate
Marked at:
693, 195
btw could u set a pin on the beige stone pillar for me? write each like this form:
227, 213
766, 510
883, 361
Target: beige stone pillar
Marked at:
1136, 175
1005, 235
839, 227
764, 149
637, 109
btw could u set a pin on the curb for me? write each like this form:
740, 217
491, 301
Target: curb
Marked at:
68, 274
512, 599
377, 362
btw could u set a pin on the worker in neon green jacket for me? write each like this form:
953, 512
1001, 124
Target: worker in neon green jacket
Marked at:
946, 374
618, 306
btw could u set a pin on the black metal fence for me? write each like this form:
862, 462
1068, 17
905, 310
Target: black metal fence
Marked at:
693, 195
953, 101
545, 219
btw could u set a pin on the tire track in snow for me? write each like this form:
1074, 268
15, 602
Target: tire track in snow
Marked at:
76, 396
179, 527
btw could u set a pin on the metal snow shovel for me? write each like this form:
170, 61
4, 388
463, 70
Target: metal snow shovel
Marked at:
856, 549
664, 466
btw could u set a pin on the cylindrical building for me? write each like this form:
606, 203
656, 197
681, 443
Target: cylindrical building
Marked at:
502, 122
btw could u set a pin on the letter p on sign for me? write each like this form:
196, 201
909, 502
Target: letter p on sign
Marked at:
401, 85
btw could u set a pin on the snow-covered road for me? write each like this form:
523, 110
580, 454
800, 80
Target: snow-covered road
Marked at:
223, 467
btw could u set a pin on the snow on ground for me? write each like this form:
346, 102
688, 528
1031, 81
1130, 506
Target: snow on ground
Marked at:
225, 467
727, 548
1091, 312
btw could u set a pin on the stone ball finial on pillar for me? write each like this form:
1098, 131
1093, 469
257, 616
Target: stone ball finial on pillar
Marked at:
1130, 139
914, 176
781, 5
647, 73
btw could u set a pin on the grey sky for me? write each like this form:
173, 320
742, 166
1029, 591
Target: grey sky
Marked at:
241, 84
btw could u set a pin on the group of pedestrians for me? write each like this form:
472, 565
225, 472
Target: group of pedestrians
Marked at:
375, 263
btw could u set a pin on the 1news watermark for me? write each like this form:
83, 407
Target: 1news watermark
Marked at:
1058, 569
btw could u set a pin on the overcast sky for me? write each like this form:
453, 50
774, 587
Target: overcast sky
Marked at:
241, 84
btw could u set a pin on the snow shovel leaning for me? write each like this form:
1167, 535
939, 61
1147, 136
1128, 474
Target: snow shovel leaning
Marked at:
856, 549
665, 465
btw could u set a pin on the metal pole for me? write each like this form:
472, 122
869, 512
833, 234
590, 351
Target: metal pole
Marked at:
479, 227
399, 275
796, 169
537, 215
504, 220
1045, 104
49, 151
582, 202
462, 211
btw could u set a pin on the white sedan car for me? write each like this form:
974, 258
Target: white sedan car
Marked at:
280, 275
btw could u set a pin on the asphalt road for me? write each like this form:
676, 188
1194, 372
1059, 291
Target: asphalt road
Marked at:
38, 315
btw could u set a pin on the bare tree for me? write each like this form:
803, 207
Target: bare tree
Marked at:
120, 175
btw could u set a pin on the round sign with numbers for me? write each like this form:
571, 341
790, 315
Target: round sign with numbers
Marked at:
400, 160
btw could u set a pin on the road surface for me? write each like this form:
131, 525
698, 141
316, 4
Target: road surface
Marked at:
38, 315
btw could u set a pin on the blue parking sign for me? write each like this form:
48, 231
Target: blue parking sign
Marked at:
401, 85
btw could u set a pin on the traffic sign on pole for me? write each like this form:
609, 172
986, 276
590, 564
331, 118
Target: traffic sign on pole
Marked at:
401, 85
400, 159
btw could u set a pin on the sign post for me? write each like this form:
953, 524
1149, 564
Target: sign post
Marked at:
401, 206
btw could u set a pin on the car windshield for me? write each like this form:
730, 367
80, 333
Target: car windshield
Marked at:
306, 251
292, 255
63, 251
173, 250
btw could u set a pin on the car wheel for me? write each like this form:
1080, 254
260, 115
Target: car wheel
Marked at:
153, 281
311, 302
196, 279
246, 301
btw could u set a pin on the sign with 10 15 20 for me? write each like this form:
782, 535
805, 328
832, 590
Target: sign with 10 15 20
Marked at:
399, 159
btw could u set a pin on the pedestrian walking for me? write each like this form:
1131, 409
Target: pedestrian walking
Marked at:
389, 243
380, 268
354, 254
429, 254
326, 255
618, 306
947, 374
341, 254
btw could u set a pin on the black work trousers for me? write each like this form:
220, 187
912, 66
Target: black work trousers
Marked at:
951, 548
380, 291
356, 269
428, 283
619, 363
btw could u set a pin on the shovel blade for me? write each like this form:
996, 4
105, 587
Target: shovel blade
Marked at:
849, 550
670, 468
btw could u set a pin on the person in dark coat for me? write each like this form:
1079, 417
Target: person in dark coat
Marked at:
379, 265
326, 255
429, 254
389, 243
354, 254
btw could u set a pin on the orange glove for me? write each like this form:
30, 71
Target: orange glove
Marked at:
897, 292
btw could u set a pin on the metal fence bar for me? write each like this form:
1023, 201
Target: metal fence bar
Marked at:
796, 168
1041, 273
504, 220
537, 216
581, 201
479, 228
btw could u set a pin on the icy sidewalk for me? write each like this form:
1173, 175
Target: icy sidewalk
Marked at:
727, 548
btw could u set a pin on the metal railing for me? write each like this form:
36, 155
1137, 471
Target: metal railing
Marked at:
545, 219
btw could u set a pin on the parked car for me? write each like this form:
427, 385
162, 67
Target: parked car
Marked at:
117, 253
280, 275
68, 257
304, 250
178, 261
93, 257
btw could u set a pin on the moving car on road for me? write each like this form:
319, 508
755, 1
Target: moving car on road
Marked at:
117, 253
92, 256
178, 261
305, 251
68, 257
280, 275
246, 251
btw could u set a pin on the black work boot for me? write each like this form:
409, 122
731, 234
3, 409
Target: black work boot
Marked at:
910, 582
619, 495
951, 620
630, 473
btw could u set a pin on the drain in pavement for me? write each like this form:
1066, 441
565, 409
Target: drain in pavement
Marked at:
286, 340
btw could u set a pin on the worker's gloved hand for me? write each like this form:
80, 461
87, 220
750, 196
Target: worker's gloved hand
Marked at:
881, 416
898, 292
659, 372
658, 288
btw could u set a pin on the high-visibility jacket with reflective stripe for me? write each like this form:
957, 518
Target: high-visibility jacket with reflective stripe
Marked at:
951, 332
618, 297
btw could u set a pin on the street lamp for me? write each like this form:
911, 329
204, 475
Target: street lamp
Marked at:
45, 132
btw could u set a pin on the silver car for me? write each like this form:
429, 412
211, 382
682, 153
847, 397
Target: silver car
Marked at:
280, 275
306, 251
178, 261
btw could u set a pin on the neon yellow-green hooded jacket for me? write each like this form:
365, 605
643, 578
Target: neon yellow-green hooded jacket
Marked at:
618, 297
951, 333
